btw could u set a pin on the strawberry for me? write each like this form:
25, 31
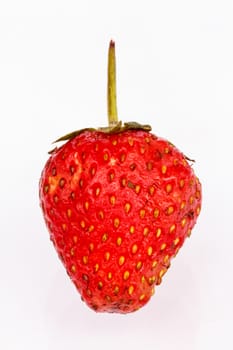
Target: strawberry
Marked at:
118, 203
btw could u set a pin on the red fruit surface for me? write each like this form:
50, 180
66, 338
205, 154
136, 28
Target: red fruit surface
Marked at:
118, 208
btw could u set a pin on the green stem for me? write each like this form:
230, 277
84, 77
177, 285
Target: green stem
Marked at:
111, 90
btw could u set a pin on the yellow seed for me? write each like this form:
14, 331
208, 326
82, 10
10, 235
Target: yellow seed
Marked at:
85, 259
149, 166
130, 141
119, 241
127, 207
114, 142
64, 227
134, 248
121, 260
131, 185
108, 298
91, 228
151, 190
142, 213
158, 232
106, 156
132, 229
166, 259
123, 182
138, 265
152, 291
143, 279
86, 205
166, 150
85, 277
176, 241
62, 182
109, 275
142, 296
116, 290
198, 210
100, 285
97, 191
111, 176
147, 140
101, 214
112, 200
162, 272
137, 188
183, 222
154, 264
164, 169
145, 231
72, 251
142, 150
75, 239
191, 182
191, 200
104, 237
46, 188
172, 228
96, 267
183, 203
168, 188
150, 251
151, 280
189, 232
73, 268
130, 290
122, 157
107, 256
69, 212
163, 246
93, 171
156, 213
116, 222
126, 275
170, 210
89, 293
82, 223
181, 183
91, 247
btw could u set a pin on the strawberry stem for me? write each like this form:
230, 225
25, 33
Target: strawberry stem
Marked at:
111, 89
114, 127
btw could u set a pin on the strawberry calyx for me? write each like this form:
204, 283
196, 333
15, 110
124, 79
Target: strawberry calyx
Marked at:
114, 129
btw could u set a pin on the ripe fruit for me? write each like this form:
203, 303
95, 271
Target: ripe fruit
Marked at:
118, 203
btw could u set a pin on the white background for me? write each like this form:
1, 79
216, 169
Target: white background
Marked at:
175, 71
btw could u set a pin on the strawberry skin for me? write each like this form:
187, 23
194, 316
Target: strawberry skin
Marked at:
118, 208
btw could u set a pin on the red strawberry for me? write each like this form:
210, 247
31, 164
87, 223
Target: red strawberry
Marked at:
118, 204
